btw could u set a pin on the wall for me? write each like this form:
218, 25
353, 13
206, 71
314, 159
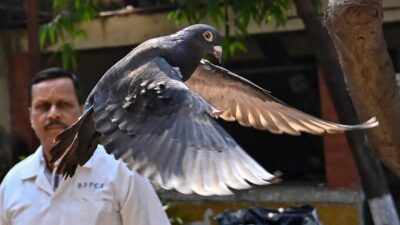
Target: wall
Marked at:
4, 73
5, 150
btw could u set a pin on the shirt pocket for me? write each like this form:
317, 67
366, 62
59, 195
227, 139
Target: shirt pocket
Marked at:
99, 206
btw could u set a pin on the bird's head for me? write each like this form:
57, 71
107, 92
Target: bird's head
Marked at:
188, 46
204, 39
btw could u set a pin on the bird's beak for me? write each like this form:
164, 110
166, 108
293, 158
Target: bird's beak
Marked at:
218, 52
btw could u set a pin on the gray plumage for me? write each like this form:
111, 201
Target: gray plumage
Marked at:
155, 108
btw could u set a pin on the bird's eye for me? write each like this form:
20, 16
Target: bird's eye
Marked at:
208, 36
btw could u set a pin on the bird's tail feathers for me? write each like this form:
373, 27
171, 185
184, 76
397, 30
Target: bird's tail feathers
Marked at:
64, 141
76, 145
68, 163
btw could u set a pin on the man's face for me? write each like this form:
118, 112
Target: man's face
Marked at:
54, 107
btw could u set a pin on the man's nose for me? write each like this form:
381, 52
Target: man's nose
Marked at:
54, 112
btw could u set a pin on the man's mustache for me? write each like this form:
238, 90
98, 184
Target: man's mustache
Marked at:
55, 122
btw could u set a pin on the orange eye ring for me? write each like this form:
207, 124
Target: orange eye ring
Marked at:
208, 36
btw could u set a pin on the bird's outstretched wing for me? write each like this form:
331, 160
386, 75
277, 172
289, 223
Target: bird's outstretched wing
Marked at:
242, 101
159, 127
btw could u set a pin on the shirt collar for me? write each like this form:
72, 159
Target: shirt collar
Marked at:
33, 163
37, 164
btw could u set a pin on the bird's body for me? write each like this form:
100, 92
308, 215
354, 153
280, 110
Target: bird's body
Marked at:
155, 108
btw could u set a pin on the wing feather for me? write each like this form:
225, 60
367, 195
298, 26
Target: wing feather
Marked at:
166, 132
242, 101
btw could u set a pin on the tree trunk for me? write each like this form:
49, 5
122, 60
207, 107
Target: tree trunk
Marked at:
355, 27
372, 177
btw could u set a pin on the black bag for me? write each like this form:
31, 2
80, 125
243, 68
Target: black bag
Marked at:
304, 215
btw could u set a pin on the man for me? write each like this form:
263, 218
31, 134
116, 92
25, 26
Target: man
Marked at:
103, 191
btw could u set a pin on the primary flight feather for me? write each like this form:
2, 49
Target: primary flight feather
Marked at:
155, 109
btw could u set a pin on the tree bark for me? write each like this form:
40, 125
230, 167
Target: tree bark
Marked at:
370, 171
355, 27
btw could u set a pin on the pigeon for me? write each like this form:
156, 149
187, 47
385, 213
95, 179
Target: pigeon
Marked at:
156, 110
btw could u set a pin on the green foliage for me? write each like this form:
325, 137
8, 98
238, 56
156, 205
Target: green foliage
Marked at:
173, 219
232, 45
66, 14
235, 15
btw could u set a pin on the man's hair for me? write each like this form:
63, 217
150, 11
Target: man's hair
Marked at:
53, 73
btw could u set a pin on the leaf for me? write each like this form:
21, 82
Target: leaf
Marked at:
80, 35
64, 56
177, 16
73, 59
58, 4
52, 34
77, 4
67, 13
68, 56
237, 46
43, 35
214, 9
171, 15
233, 45
246, 12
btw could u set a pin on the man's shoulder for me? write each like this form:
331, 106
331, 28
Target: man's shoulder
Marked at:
19, 169
101, 160
101, 156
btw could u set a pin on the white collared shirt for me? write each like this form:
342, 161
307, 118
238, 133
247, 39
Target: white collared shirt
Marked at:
103, 191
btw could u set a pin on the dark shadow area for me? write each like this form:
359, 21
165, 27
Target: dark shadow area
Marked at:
5, 154
299, 158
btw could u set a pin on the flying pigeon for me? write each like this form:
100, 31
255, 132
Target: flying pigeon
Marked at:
155, 110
